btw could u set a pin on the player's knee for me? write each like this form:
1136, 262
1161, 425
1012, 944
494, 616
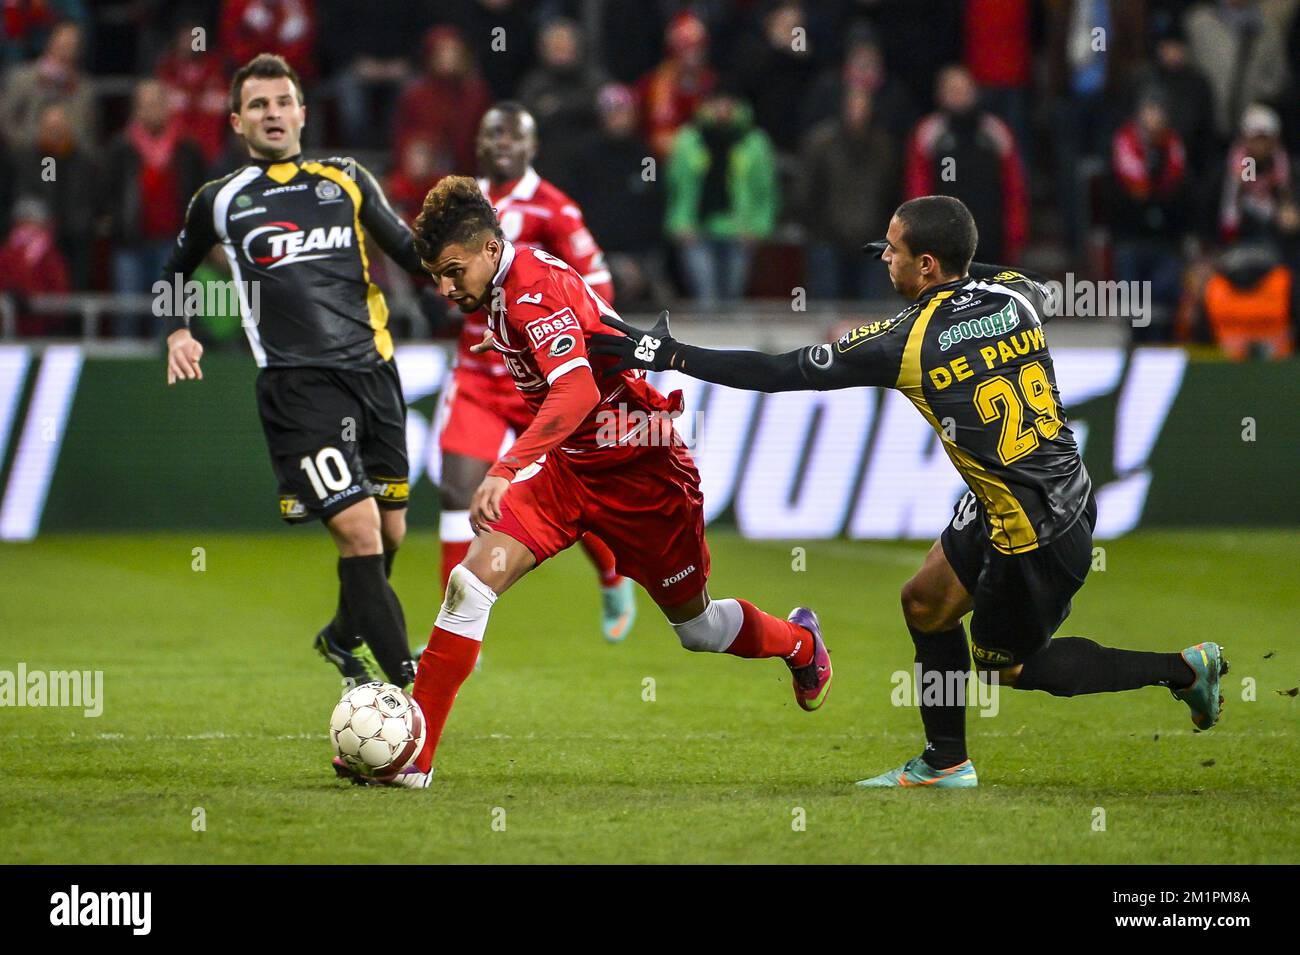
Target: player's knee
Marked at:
466, 605
356, 536
713, 630
393, 530
920, 609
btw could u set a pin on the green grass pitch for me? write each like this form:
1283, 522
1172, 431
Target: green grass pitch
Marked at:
213, 701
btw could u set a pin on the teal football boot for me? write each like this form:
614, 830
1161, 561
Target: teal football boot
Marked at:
1203, 697
917, 772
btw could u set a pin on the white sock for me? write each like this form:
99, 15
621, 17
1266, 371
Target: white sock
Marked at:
713, 631
466, 606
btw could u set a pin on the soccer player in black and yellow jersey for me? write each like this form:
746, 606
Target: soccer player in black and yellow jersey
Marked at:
295, 234
971, 355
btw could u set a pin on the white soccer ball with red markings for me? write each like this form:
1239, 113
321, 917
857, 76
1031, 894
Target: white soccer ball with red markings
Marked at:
377, 729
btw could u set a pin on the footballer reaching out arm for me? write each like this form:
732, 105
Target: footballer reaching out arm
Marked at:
870, 355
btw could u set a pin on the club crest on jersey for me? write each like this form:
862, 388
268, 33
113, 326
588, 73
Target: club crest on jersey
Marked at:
283, 243
854, 338
328, 191
542, 330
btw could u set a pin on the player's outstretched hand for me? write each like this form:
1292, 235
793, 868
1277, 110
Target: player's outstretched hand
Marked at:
485, 506
652, 350
484, 345
183, 354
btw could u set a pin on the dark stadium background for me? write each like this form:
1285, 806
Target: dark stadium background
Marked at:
1147, 142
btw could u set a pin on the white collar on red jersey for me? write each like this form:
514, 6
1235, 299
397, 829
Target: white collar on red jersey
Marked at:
524, 189
507, 259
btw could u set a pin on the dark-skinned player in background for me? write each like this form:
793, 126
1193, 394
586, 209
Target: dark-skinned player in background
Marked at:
294, 232
969, 350
482, 404
600, 454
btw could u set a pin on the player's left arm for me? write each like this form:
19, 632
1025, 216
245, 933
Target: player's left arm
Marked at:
826, 366
385, 226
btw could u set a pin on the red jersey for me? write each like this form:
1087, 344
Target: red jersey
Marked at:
535, 214
541, 315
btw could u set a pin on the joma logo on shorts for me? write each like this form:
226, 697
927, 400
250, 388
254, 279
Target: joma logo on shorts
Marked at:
680, 575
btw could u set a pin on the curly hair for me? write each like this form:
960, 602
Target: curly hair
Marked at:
454, 211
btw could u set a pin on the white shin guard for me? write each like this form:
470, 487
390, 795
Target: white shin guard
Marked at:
466, 606
714, 630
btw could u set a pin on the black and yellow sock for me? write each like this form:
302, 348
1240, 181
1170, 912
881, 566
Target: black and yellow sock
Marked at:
944, 660
1071, 666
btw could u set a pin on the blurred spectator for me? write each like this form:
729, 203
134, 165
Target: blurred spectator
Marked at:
775, 70
998, 54
670, 94
31, 264
1241, 52
621, 201
863, 68
417, 172
1095, 47
1188, 99
630, 38
25, 26
1148, 219
287, 27
368, 59
559, 91
969, 153
848, 189
722, 197
500, 36
54, 77
1257, 181
150, 174
444, 105
198, 84
919, 39
61, 173
1248, 305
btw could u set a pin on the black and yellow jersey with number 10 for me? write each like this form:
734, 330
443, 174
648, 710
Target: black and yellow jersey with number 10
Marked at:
971, 355
294, 233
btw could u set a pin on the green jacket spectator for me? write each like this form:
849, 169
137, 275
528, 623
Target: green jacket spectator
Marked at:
722, 175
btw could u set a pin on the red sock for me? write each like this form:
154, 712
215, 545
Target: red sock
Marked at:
453, 552
602, 557
445, 663
763, 635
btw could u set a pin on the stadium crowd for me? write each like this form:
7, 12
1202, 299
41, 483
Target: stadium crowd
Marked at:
721, 150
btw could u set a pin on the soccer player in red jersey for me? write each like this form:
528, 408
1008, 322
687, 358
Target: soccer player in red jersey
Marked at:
482, 402
600, 454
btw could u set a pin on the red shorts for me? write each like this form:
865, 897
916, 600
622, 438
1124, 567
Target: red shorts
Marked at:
476, 412
648, 508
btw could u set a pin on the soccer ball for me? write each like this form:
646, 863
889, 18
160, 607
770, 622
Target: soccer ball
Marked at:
377, 729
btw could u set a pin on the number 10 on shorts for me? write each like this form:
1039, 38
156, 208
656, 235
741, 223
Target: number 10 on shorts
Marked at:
328, 472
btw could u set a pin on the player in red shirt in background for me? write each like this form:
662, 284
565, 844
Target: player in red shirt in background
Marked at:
600, 454
482, 402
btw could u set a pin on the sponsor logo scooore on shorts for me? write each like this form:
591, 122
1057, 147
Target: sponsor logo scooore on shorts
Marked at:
542, 330
985, 327
680, 575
